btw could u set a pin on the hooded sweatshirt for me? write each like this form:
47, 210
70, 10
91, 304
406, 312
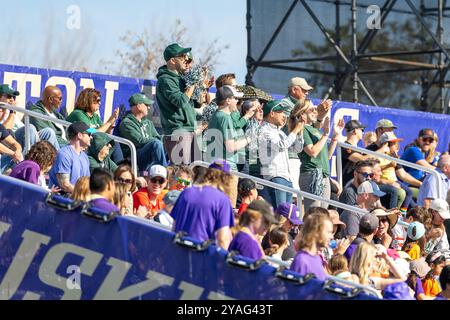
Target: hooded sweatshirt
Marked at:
27, 170
99, 140
177, 110
41, 124
138, 132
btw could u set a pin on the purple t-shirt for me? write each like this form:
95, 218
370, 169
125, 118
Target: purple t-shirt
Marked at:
305, 263
201, 211
102, 203
246, 246
27, 171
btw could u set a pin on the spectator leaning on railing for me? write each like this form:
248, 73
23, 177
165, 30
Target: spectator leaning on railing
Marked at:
428, 191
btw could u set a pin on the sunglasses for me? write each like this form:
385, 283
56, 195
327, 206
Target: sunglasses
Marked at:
383, 220
158, 181
183, 182
125, 181
366, 175
8, 96
428, 140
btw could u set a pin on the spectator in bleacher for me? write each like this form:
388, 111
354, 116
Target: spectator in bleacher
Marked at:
444, 281
181, 178
298, 90
364, 262
273, 146
9, 149
382, 126
101, 184
38, 162
247, 192
252, 129
436, 260
100, 151
9, 119
124, 174
417, 152
151, 197
338, 267
141, 131
252, 224
204, 211
368, 194
437, 235
52, 132
163, 215
316, 233
428, 190
86, 107
415, 241
178, 117
368, 227
390, 200
419, 269
354, 131
123, 199
72, 162
362, 172
386, 221
81, 190
278, 241
315, 167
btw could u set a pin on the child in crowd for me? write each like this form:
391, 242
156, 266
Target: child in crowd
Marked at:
338, 267
246, 193
278, 240
163, 215
369, 138
419, 269
415, 240
431, 286
81, 190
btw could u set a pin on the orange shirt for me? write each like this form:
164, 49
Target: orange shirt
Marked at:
142, 198
431, 287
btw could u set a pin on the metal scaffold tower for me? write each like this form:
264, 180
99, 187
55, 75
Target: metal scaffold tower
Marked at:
432, 74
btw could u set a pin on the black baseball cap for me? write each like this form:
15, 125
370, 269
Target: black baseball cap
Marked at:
79, 127
226, 92
354, 124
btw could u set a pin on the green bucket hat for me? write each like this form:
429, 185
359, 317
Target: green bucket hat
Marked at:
138, 98
174, 50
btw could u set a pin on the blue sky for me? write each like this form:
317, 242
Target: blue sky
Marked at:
28, 22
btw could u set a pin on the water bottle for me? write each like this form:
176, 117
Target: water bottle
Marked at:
333, 244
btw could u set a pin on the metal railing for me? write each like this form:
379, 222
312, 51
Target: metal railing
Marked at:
28, 114
300, 194
383, 156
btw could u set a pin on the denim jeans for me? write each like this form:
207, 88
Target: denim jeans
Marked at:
117, 154
409, 196
150, 154
391, 193
49, 135
278, 196
20, 136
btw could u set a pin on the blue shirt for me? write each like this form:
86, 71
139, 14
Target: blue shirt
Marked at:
413, 154
428, 190
71, 163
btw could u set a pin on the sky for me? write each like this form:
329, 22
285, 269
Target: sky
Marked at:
38, 29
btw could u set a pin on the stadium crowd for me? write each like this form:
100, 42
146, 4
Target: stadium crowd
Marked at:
399, 246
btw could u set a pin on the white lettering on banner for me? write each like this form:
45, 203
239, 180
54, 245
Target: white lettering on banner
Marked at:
52, 260
71, 90
87, 83
110, 87
218, 296
4, 227
190, 291
74, 280
21, 262
110, 288
22, 79
74, 20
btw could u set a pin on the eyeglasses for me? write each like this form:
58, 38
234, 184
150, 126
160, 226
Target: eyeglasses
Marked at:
125, 181
88, 133
366, 175
383, 220
428, 140
183, 182
59, 98
158, 181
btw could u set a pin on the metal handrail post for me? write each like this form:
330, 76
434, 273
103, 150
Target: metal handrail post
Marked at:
27, 133
33, 114
339, 166
402, 162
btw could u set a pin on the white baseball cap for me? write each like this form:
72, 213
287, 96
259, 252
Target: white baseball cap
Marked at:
441, 206
300, 82
158, 171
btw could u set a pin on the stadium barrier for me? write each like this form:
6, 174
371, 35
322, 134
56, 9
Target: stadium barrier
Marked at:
55, 248
28, 114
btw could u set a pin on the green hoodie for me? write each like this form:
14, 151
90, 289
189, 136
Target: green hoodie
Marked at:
138, 132
41, 124
99, 140
177, 110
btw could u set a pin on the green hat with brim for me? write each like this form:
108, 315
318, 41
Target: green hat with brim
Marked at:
5, 89
139, 98
175, 50
274, 105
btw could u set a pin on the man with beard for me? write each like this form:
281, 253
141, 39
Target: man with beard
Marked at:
363, 171
273, 145
368, 195
178, 118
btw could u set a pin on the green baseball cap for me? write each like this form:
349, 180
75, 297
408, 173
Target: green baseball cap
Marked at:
174, 50
138, 98
385, 123
274, 105
5, 89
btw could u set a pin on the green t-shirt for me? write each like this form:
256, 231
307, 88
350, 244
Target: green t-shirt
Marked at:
220, 129
80, 115
311, 136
